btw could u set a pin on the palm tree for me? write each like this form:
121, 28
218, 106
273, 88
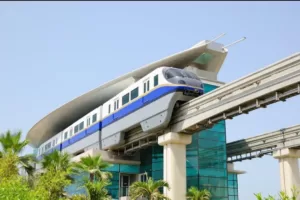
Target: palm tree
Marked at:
11, 142
93, 166
57, 161
97, 190
148, 190
196, 194
258, 196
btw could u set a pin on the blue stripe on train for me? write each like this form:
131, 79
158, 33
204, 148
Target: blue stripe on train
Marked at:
139, 103
152, 96
82, 135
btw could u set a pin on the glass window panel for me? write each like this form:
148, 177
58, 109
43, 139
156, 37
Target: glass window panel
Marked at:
148, 85
125, 99
155, 82
191, 171
157, 175
113, 168
134, 93
218, 128
192, 161
191, 152
129, 168
88, 121
81, 126
173, 72
157, 166
94, 119
192, 181
76, 129
65, 135
212, 172
208, 88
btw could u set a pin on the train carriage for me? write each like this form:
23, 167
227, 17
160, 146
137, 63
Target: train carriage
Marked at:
148, 103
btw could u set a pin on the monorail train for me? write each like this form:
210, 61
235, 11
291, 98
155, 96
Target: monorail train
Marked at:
148, 103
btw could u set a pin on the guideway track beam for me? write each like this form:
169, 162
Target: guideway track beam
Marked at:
269, 85
263, 144
274, 83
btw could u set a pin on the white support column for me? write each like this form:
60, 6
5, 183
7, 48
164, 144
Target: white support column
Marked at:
175, 163
289, 169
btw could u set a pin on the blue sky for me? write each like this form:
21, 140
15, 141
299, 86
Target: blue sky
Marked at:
52, 52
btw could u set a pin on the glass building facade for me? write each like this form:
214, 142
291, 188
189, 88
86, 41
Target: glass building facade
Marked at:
206, 164
232, 186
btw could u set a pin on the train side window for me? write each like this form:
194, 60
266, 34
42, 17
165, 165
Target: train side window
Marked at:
47, 146
108, 108
65, 135
71, 131
146, 86
76, 129
81, 126
53, 143
134, 93
116, 104
125, 99
94, 118
88, 121
155, 82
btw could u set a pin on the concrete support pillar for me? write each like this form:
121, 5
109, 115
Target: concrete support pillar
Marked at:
289, 169
175, 163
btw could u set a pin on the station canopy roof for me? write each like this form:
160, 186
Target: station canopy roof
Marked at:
206, 55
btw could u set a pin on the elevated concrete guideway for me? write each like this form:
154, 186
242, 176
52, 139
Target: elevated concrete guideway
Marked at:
283, 144
274, 83
265, 144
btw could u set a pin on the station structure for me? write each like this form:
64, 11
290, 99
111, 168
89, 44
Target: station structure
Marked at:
191, 150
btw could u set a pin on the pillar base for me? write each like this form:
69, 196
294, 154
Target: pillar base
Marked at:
175, 163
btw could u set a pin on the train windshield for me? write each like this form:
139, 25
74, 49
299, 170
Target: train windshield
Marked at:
173, 72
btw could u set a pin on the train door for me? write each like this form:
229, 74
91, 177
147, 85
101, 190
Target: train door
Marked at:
146, 85
116, 104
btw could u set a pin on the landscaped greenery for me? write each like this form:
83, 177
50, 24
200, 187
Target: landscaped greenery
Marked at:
196, 194
281, 196
56, 175
148, 190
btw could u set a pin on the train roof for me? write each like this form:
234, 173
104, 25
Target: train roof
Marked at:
206, 55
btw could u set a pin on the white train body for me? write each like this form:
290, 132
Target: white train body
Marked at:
148, 103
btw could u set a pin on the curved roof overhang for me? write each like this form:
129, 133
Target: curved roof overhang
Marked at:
65, 115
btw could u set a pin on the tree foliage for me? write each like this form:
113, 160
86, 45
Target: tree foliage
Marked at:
196, 194
16, 189
8, 166
13, 186
281, 196
52, 183
57, 161
148, 190
11, 144
97, 190
93, 166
